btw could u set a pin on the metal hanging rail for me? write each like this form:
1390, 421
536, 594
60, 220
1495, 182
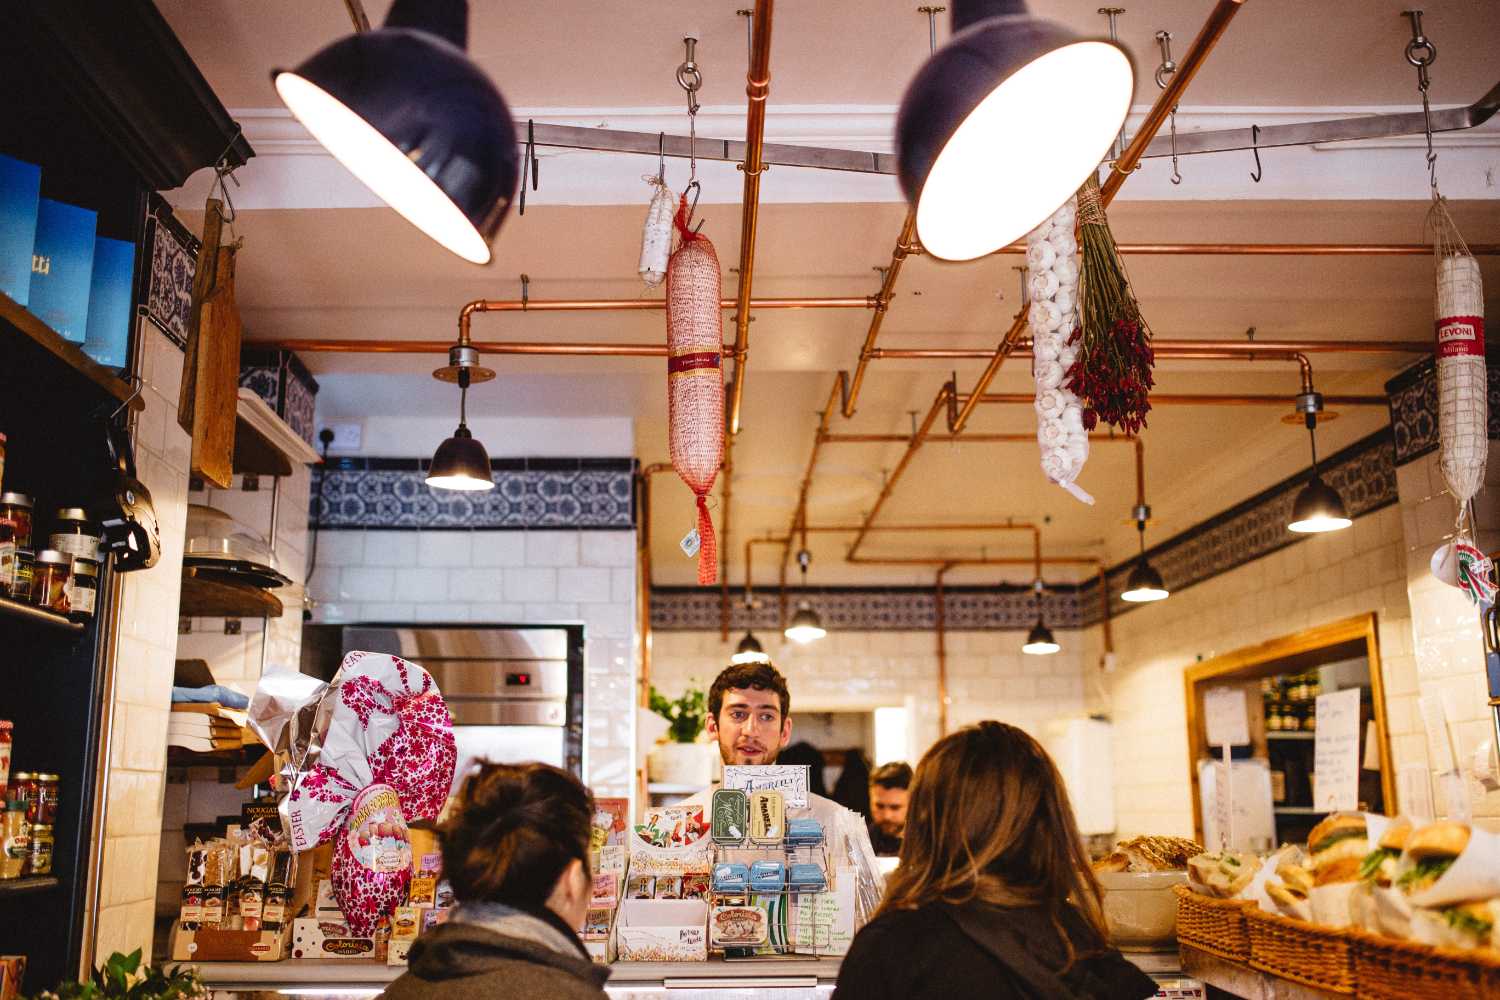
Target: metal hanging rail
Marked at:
757, 89
1269, 249
1183, 350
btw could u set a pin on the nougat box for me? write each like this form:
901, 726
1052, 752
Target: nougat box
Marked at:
329, 939
662, 930
209, 944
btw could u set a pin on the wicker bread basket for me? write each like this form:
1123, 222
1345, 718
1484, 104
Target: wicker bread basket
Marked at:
1216, 926
1392, 969
1322, 957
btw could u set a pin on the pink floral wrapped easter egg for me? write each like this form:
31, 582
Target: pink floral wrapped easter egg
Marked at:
386, 759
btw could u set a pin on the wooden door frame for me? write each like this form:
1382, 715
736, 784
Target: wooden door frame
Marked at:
1242, 664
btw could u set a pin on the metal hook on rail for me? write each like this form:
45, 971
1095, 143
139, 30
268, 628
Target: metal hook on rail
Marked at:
696, 189
1255, 148
529, 163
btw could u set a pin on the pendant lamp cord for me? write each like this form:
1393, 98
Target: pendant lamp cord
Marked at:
463, 396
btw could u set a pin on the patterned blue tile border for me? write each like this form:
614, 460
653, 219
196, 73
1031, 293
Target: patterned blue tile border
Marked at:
1364, 474
874, 609
529, 493
1414, 407
171, 255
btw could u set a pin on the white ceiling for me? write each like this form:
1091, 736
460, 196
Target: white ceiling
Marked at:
349, 272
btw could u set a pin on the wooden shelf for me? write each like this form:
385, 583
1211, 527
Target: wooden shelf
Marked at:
205, 596
38, 616
263, 444
31, 883
1275, 735
64, 350
1299, 811
183, 757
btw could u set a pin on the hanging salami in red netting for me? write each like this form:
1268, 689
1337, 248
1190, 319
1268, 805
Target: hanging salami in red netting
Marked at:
695, 376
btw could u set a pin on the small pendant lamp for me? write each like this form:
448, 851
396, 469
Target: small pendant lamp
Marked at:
461, 462
1318, 507
805, 625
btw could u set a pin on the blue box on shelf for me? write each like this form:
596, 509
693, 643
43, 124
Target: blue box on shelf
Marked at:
767, 876
20, 190
804, 831
62, 266
730, 877
283, 381
108, 333
807, 877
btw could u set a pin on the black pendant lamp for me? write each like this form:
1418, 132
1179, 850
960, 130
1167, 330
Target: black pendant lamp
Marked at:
1039, 641
805, 625
1003, 123
750, 651
411, 116
1318, 508
461, 462
1144, 583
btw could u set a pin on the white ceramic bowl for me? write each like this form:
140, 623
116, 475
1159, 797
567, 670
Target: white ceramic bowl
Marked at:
1141, 908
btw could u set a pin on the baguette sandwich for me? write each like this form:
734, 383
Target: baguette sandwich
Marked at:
1379, 866
1432, 849
1337, 846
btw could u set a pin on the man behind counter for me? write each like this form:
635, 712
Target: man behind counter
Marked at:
888, 792
749, 714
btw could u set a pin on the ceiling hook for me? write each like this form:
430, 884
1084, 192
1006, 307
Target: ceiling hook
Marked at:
1254, 148
529, 163
661, 156
525, 290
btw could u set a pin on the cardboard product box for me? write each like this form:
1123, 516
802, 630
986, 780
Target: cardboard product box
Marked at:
209, 944
397, 952
406, 923
602, 952
327, 939
20, 190
662, 930
606, 890
62, 265
598, 923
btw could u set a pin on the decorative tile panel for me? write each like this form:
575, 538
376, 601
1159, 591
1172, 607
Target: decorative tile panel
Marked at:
283, 381
585, 493
1414, 407
1364, 474
171, 252
877, 609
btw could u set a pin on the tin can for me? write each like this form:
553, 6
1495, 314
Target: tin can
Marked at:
730, 816
767, 817
46, 799
41, 851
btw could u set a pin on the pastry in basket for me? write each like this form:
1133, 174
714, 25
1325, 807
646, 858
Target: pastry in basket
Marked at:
1463, 925
1337, 846
1150, 854
1290, 888
1223, 875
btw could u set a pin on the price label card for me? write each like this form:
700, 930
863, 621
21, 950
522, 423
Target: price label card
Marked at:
690, 543
1225, 718
1336, 751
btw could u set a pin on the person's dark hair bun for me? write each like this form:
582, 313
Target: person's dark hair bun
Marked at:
515, 829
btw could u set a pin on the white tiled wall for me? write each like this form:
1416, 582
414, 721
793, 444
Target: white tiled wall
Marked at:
1445, 626
505, 577
143, 668
988, 675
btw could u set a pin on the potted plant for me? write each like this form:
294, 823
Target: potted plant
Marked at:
681, 759
122, 977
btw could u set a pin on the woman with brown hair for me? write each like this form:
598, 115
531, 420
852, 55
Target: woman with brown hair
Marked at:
994, 896
516, 853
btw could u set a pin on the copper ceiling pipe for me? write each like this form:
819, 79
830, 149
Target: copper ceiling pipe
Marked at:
643, 577
757, 89
799, 513
938, 406
726, 493
991, 561
502, 347
1187, 67
904, 244
1213, 29
1269, 249
939, 616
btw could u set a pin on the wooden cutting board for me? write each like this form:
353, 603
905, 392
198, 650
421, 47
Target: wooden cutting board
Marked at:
216, 385
204, 273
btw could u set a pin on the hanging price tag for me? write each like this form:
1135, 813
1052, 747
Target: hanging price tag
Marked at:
689, 543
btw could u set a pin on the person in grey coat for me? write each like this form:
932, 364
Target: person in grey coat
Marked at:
516, 854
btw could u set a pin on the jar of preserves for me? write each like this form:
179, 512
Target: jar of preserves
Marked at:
5, 744
23, 790
8, 559
49, 581
74, 534
20, 588
16, 509
46, 799
2, 457
41, 850
15, 840
83, 590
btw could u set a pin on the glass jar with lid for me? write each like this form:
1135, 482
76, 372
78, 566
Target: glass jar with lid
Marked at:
83, 590
74, 534
16, 508
46, 798
2, 456
7, 559
20, 588
49, 581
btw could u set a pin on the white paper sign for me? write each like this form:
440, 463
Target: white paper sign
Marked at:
1439, 742
1224, 716
1336, 751
1414, 791
791, 780
1251, 806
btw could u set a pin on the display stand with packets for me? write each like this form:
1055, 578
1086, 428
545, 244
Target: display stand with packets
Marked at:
765, 865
